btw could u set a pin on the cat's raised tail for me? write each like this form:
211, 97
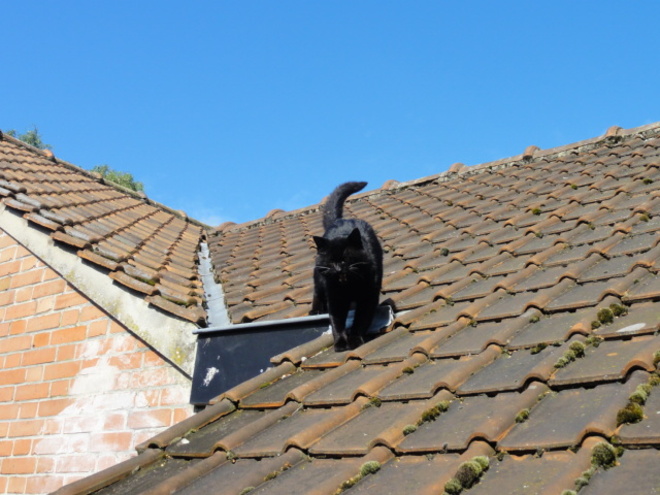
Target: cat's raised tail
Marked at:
334, 206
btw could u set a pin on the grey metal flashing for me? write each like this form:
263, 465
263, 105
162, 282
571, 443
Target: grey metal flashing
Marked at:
215, 299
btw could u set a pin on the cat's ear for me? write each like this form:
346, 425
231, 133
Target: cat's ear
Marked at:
321, 243
355, 239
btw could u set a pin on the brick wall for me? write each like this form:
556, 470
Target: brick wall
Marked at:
77, 390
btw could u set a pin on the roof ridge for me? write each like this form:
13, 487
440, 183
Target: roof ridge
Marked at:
139, 195
531, 154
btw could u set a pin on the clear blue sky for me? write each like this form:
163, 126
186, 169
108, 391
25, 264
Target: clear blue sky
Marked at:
230, 109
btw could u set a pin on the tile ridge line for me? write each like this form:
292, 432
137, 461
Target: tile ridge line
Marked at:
141, 196
530, 155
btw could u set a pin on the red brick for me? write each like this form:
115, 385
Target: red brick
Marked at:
21, 310
9, 411
44, 484
67, 335
45, 464
31, 391
80, 463
44, 322
26, 278
7, 297
28, 410
152, 377
70, 317
6, 447
16, 327
67, 369
22, 446
41, 339
90, 313
17, 484
10, 267
4, 329
28, 428
34, 374
23, 294
30, 263
115, 421
60, 388
97, 328
39, 356
126, 361
111, 442
181, 413
154, 418
52, 407
19, 465
66, 352
7, 394
50, 288
45, 304
69, 300
8, 377
18, 343
12, 360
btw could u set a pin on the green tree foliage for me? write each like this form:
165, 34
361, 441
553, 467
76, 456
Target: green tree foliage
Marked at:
122, 178
31, 137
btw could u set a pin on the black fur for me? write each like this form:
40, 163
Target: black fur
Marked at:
348, 271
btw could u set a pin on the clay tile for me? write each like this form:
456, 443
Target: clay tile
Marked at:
224, 226
390, 184
613, 131
530, 151
49, 154
274, 213
457, 167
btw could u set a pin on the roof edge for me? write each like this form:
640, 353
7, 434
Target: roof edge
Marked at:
533, 153
141, 196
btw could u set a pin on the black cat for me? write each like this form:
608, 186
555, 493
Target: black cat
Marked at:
348, 271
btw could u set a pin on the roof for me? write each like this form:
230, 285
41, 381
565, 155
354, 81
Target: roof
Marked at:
140, 244
522, 359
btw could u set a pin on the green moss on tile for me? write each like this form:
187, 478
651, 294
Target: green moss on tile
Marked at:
408, 370
432, 413
444, 252
578, 348
538, 348
569, 492
605, 316
593, 340
641, 394
656, 358
409, 429
574, 186
647, 181
369, 467
603, 455
644, 217
536, 211
246, 490
522, 416
654, 379
595, 324
631, 413
468, 473
453, 487
483, 460
618, 309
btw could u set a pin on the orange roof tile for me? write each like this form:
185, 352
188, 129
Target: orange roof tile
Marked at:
525, 336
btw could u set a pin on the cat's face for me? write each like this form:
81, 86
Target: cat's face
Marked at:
340, 258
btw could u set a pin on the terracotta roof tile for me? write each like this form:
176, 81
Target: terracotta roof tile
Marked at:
526, 295
110, 226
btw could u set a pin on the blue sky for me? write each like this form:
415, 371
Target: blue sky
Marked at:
230, 109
